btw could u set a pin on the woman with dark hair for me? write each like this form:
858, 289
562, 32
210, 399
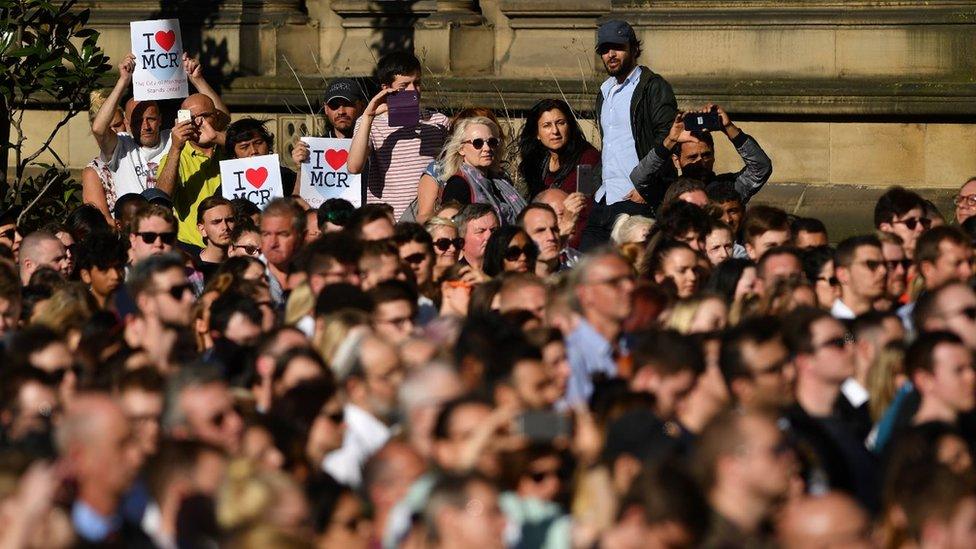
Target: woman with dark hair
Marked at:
733, 279
84, 220
551, 147
510, 249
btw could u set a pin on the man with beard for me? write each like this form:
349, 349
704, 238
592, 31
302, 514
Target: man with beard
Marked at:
635, 108
693, 155
371, 386
215, 221
134, 157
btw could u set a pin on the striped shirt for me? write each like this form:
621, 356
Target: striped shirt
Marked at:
408, 151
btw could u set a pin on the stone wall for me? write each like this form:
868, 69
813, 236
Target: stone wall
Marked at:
847, 96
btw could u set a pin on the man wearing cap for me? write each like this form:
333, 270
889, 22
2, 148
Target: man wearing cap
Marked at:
344, 102
636, 108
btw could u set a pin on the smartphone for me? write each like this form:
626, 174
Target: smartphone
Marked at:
543, 426
183, 115
587, 179
703, 122
404, 108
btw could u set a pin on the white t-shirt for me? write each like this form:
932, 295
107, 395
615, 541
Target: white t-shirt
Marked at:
133, 167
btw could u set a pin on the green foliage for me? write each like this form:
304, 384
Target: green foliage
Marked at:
47, 55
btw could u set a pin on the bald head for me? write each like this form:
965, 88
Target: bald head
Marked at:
89, 417
831, 520
42, 249
549, 196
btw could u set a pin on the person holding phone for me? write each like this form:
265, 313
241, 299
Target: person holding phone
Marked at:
690, 149
397, 137
473, 155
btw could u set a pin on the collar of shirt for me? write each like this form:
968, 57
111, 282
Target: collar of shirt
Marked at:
841, 311
91, 525
855, 392
610, 85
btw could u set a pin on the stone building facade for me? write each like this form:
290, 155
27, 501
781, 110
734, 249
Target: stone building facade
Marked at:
847, 96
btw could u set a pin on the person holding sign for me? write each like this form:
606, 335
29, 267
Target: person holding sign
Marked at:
195, 174
397, 137
249, 137
133, 157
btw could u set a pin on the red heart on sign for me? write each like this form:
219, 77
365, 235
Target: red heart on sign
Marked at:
256, 177
336, 157
166, 39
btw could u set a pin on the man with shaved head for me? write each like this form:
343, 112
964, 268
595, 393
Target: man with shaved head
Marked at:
96, 443
133, 158
830, 520
194, 173
42, 249
570, 213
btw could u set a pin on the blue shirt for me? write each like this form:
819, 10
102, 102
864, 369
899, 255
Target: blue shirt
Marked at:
92, 526
619, 156
588, 353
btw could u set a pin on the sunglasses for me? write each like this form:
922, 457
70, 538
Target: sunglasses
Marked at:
894, 263
218, 419
444, 244
457, 284
832, 280
177, 292
415, 259
249, 250
874, 265
338, 217
968, 312
966, 200
335, 417
913, 222
837, 343
150, 237
479, 143
539, 476
515, 252
9, 234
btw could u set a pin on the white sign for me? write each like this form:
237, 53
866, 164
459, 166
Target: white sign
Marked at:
256, 179
158, 47
326, 174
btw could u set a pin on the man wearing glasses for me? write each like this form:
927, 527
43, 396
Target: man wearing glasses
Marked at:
604, 288
943, 255
862, 273
195, 173
153, 232
164, 301
823, 354
902, 212
966, 201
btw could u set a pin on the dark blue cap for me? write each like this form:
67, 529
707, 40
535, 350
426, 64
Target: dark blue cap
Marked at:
156, 196
615, 32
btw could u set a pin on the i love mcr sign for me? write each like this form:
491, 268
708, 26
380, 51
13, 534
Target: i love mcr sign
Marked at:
256, 179
326, 174
158, 47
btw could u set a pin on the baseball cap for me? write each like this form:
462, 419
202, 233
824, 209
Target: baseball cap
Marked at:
345, 88
156, 196
615, 32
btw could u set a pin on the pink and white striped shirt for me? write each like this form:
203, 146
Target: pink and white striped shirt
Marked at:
399, 157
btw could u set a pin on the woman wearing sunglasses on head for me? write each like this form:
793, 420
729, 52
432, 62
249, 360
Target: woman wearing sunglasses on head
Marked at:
447, 244
473, 154
510, 250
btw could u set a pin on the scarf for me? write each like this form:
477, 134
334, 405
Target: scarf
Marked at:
499, 193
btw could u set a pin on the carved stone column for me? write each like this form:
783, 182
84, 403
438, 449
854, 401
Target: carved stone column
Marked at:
456, 39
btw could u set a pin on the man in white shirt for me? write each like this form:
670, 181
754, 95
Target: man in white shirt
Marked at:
371, 389
133, 157
863, 276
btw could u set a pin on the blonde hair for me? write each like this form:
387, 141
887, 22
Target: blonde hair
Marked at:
683, 313
449, 161
625, 228
249, 495
96, 99
301, 302
69, 309
337, 327
435, 222
881, 384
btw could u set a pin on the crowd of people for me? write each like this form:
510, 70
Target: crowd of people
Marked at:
555, 347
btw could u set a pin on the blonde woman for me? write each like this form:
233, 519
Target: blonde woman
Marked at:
471, 159
630, 229
703, 313
97, 187
447, 244
251, 497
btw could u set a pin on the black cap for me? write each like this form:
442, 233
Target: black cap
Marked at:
615, 32
156, 196
345, 88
